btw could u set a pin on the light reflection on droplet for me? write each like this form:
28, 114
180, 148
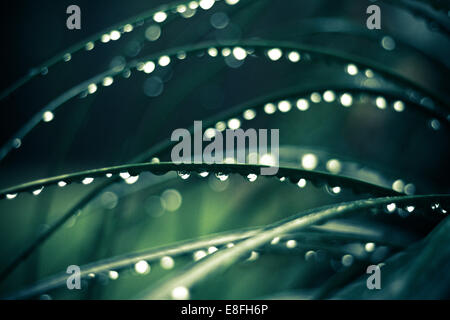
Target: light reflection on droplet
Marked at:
164, 61
399, 106
48, 116
284, 106
184, 175
347, 260
252, 177
315, 97
334, 166
11, 196
369, 247
346, 100
380, 103
239, 53
269, 108
294, 56
160, 16
274, 54
132, 180
92, 88
302, 104
167, 263
391, 207
62, 184
398, 185
291, 244
180, 293
221, 176
87, 181
114, 35
206, 4
113, 275
142, 267
329, 96
107, 81
38, 191
234, 124
309, 161
352, 69
199, 255
212, 52
301, 183
149, 66
249, 114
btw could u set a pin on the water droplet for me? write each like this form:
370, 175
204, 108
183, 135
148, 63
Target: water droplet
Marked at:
329, 96
87, 180
124, 175
380, 102
302, 104
301, 183
160, 16
221, 176
167, 263
346, 100
211, 250
284, 106
11, 196
252, 177
47, 116
253, 256
270, 108
38, 191
180, 293
309, 161
274, 54
309, 255
391, 207
184, 175
249, 114
352, 69
347, 260
200, 254
62, 184
399, 106
410, 208
369, 247
291, 244
142, 267
203, 174
113, 275
435, 124
132, 179
275, 241
294, 56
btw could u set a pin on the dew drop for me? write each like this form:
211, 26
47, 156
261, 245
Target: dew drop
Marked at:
113, 275
252, 177
11, 196
221, 176
87, 180
184, 174
203, 174
180, 293
301, 183
38, 191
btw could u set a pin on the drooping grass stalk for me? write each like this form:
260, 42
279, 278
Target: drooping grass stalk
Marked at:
313, 234
223, 259
293, 174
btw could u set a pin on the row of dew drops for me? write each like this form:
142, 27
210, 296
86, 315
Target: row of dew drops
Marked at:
143, 267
